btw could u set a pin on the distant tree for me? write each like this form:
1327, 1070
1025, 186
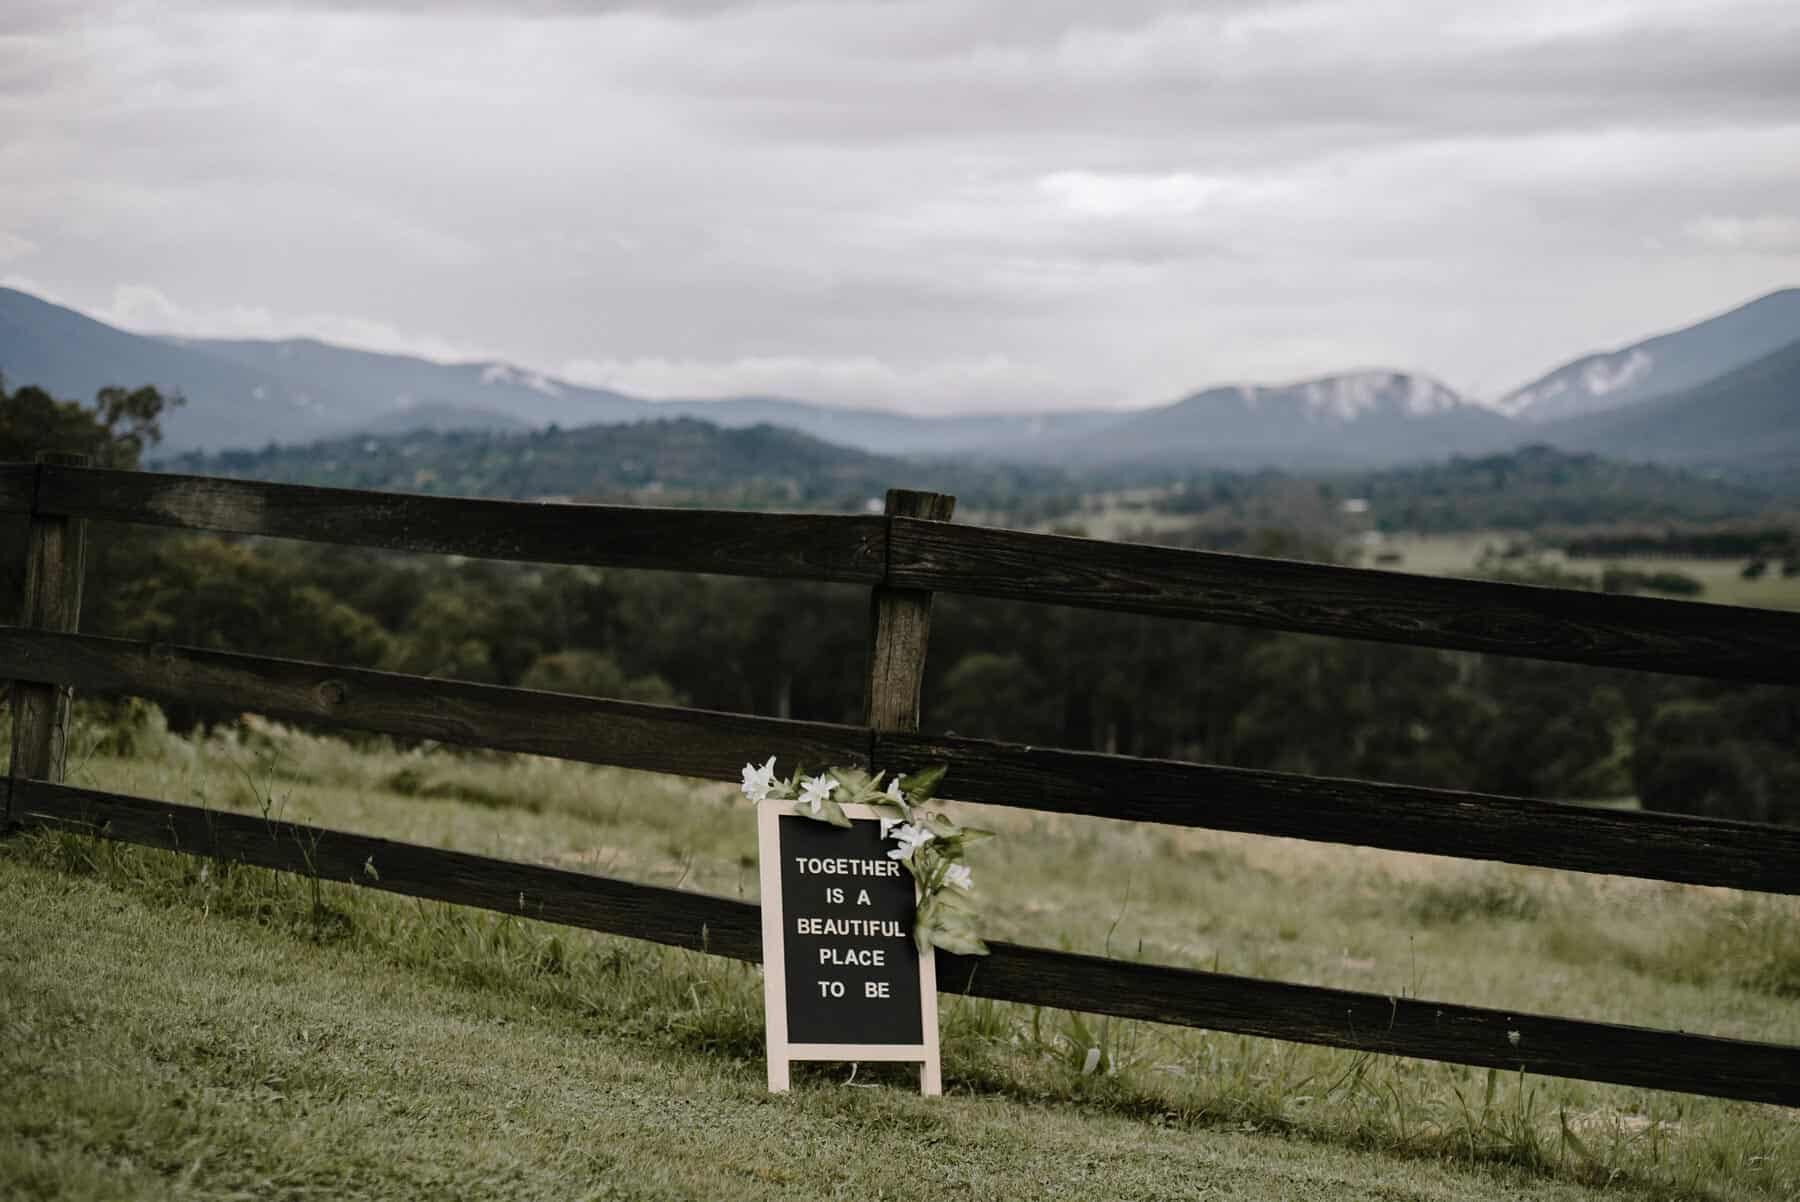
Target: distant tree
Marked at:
121, 424
113, 432
994, 696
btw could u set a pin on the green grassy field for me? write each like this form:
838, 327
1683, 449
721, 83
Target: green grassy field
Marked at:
180, 1029
1458, 555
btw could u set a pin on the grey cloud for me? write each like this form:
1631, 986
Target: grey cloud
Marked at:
1128, 199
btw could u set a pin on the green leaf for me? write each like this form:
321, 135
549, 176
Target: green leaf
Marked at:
854, 780
920, 785
1574, 1140
956, 899
942, 827
833, 813
949, 919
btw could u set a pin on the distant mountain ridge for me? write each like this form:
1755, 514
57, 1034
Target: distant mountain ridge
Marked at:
251, 393
1357, 419
1661, 365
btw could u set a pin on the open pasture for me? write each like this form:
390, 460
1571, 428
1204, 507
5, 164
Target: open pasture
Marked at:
1703, 959
1461, 554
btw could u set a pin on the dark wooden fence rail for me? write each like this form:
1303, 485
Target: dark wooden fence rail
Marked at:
904, 558
1605, 630
1593, 1051
688, 742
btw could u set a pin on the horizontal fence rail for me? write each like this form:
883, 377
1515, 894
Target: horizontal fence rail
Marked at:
1602, 629
629, 734
1443, 822
715, 746
806, 546
1593, 1051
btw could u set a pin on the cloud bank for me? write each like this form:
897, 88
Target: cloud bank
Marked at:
936, 205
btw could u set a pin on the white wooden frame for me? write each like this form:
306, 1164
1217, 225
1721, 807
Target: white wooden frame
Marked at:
781, 1052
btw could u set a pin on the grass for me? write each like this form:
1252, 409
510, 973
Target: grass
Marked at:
218, 1030
1457, 555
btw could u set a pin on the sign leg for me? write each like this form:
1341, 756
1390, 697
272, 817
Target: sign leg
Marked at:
778, 1075
931, 1078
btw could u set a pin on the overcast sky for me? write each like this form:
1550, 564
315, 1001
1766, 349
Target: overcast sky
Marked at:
937, 206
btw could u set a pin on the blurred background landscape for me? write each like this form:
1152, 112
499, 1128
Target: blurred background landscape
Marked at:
1670, 466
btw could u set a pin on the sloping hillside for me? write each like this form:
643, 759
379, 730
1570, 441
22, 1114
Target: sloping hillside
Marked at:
666, 461
1662, 365
1747, 421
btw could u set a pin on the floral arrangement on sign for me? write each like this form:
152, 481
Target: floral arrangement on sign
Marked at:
930, 845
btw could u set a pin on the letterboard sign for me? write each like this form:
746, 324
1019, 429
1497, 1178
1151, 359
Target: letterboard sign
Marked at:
842, 979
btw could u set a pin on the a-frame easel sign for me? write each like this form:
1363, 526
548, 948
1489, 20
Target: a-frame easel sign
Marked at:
842, 978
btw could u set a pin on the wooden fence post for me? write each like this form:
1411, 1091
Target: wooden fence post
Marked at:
55, 550
899, 626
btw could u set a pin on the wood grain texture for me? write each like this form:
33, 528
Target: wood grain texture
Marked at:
55, 558
657, 738
900, 628
1609, 630
1033, 976
826, 547
1669, 847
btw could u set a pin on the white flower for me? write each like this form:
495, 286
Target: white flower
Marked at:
911, 838
758, 781
817, 791
894, 795
888, 824
959, 876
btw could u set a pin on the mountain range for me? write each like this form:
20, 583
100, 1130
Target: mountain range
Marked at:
1721, 393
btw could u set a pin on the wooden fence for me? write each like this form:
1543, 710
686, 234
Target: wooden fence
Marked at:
904, 556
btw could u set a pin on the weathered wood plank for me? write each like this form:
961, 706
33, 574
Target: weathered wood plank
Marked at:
1556, 1047
691, 920
1669, 847
658, 738
18, 482
700, 743
899, 629
55, 557
1034, 976
1608, 630
826, 547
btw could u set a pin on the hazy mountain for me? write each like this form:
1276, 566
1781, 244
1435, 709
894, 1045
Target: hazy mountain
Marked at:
663, 461
229, 403
989, 435
1747, 422
355, 388
1662, 365
439, 418
1361, 418
247, 392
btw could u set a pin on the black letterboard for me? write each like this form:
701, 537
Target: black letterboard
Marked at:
847, 910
